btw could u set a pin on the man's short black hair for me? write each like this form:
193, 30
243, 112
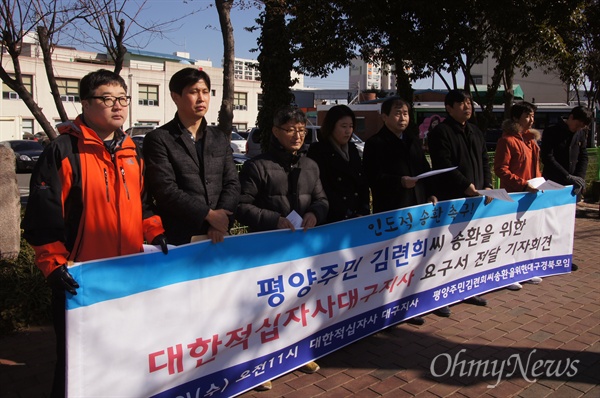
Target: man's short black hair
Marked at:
582, 114
520, 108
391, 103
285, 114
187, 77
455, 96
93, 80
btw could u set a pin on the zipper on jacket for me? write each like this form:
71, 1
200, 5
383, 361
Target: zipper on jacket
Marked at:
106, 183
125, 183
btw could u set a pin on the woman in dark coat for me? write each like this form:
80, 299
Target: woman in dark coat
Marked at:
340, 166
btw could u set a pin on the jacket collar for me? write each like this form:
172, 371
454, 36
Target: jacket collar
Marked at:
282, 156
79, 129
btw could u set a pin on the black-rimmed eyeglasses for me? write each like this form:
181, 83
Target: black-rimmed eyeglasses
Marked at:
109, 101
292, 132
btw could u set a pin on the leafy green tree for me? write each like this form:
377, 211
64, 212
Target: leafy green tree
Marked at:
532, 38
578, 62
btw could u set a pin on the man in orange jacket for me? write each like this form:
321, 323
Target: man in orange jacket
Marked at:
87, 198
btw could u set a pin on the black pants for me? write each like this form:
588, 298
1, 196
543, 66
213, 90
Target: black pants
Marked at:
58, 314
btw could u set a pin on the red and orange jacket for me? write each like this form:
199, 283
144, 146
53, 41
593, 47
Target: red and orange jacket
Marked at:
517, 160
87, 202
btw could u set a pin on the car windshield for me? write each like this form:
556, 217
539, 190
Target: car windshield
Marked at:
236, 137
26, 146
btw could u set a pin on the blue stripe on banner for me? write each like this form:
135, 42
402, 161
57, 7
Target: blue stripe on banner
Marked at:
204, 259
245, 376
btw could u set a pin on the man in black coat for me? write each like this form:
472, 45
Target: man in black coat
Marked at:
282, 180
564, 151
392, 158
456, 142
564, 154
190, 170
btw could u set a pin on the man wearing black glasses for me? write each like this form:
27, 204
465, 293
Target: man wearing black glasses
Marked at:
87, 198
281, 182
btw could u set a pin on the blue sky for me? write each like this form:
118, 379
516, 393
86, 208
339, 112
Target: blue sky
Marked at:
199, 34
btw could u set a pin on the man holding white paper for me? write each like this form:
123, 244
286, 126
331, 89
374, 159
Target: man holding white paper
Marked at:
282, 180
393, 160
281, 188
456, 142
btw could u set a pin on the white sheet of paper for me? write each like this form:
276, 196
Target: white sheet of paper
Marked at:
500, 194
544, 185
152, 248
434, 172
295, 219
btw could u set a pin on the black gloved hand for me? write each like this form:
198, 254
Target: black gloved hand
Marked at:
61, 279
161, 241
578, 184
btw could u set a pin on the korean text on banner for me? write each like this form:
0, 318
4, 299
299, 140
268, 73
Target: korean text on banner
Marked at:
218, 319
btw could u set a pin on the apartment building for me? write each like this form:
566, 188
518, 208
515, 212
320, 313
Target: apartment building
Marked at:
364, 75
147, 75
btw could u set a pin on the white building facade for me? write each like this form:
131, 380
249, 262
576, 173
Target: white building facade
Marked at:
538, 86
365, 76
147, 76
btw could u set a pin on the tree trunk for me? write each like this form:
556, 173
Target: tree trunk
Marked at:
120, 49
509, 94
226, 110
403, 85
46, 46
17, 85
275, 65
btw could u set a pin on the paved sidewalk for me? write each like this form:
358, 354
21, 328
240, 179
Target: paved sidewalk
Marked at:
559, 319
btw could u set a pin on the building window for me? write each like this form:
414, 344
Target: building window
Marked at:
27, 126
148, 95
240, 101
259, 101
68, 89
8, 93
240, 126
213, 93
477, 79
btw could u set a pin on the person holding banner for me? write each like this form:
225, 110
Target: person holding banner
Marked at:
191, 173
517, 158
392, 158
456, 142
281, 185
564, 152
87, 199
340, 166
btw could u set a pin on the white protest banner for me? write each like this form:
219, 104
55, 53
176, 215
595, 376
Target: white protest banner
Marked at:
218, 319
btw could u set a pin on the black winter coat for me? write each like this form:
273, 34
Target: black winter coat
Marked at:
344, 181
449, 146
274, 184
184, 188
563, 153
386, 160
